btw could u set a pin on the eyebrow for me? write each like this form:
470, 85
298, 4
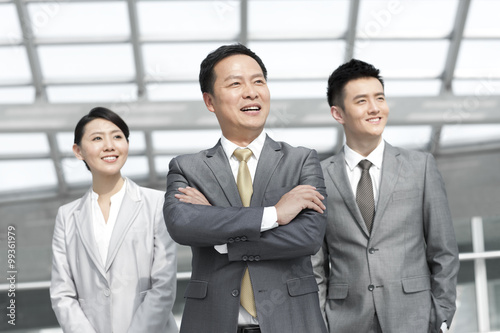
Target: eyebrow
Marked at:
231, 77
365, 95
95, 133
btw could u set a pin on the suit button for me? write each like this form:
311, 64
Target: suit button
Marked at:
243, 238
251, 258
107, 292
371, 250
237, 239
371, 287
235, 293
244, 258
230, 240
257, 258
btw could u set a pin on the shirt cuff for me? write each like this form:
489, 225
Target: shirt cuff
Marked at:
444, 327
269, 219
222, 249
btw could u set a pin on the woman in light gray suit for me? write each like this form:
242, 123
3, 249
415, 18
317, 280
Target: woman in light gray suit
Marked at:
114, 263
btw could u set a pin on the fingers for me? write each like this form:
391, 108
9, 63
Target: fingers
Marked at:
192, 196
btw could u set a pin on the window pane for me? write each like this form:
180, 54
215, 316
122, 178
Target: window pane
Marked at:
65, 141
174, 92
118, 93
24, 143
484, 87
411, 88
465, 319
491, 227
17, 95
322, 139
478, 58
136, 166
314, 60
482, 19
493, 272
463, 233
10, 32
76, 62
297, 89
95, 19
75, 172
453, 135
297, 19
161, 164
410, 137
14, 65
165, 59
185, 141
137, 141
404, 59
404, 18
27, 174
185, 20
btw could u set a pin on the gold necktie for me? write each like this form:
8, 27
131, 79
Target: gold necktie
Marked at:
244, 183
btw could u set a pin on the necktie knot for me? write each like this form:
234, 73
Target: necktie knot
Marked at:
243, 154
365, 164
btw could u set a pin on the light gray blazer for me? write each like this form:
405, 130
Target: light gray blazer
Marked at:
406, 270
279, 260
135, 290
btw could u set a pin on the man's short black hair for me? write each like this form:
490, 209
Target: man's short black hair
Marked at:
207, 74
352, 70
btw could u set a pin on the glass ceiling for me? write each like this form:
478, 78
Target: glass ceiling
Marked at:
140, 52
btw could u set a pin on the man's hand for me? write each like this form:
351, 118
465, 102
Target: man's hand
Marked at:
192, 196
299, 198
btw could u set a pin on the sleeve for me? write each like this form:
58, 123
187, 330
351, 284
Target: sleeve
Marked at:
63, 293
156, 309
301, 237
442, 249
200, 225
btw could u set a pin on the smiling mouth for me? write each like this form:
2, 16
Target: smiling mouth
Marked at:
110, 158
374, 120
251, 108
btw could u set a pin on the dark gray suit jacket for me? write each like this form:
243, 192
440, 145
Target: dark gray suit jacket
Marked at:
406, 270
278, 260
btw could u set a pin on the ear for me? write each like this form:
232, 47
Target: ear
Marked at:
77, 151
337, 114
208, 99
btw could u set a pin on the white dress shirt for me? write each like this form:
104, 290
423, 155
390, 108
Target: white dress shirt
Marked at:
102, 229
352, 159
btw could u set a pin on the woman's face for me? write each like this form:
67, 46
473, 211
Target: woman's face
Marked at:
103, 147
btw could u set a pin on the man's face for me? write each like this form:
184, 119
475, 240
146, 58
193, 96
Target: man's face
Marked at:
241, 98
365, 111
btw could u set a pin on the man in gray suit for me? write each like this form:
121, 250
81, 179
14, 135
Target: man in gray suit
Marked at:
390, 260
260, 218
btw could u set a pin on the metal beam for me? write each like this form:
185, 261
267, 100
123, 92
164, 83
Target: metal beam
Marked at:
456, 40
29, 43
136, 46
243, 22
352, 24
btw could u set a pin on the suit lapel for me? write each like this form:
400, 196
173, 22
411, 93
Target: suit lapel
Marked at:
338, 174
83, 219
217, 161
126, 216
391, 167
268, 161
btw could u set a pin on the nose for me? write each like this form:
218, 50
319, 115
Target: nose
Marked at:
108, 145
250, 92
373, 107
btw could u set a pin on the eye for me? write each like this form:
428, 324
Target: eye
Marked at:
260, 81
118, 136
97, 138
233, 84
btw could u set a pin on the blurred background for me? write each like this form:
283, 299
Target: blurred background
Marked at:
59, 59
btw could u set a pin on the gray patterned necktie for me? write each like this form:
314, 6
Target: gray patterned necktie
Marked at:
364, 194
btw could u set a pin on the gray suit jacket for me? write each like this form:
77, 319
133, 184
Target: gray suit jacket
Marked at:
406, 270
278, 260
135, 290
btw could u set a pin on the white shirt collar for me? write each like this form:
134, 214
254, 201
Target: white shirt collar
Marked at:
255, 146
352, 158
